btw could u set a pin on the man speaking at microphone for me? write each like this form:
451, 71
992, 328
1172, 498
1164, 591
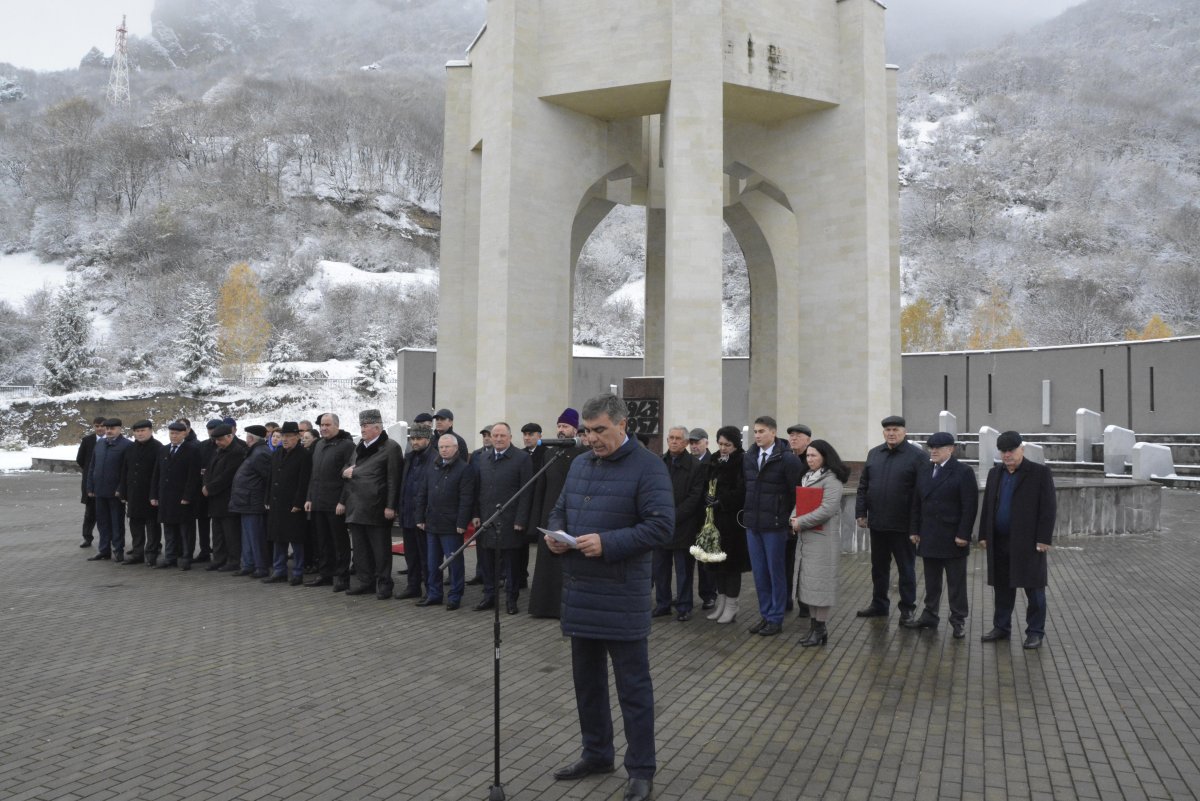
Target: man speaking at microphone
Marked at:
619, 506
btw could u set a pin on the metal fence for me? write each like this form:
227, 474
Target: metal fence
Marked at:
14, 391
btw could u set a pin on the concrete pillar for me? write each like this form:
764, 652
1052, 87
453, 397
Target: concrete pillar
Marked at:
656, 289
1118, 448
989, 454
1089, 429
693, 159
948, 422
1152, 461
1035, 452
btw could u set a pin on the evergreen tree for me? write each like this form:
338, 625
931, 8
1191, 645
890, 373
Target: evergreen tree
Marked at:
280, 369
68, 363
199, 353
373, 359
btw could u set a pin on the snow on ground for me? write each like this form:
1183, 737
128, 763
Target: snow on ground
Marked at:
588, 350
335, 273
22, 460
634, 292
23, 274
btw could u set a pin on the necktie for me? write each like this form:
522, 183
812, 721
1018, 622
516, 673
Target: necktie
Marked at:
936, 467
762, 460
174, 448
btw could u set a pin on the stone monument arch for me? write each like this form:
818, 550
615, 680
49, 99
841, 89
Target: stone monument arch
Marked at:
776, 117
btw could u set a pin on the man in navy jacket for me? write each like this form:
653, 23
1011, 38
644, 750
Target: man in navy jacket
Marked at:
947, 499
103, 480
618, 504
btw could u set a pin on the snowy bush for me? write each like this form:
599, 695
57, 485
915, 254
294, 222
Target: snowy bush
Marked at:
198, 352
68, 361
373, 358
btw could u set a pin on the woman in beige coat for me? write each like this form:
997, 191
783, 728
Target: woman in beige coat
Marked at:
820, 537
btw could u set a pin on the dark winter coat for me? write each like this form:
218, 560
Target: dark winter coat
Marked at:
208, 448
728, 502
375, 483
946, 508
771, 492
416, 470
329, 459
688, 485
446, 496
1034, 507
462, 443
83, 458
500, 476
248, 495
626, 498
290, 472
545, 589
887, 487
218, 478
104, 473
137, 477
550, 486
176, 483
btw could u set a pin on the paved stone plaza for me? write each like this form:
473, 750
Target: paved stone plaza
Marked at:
130, 683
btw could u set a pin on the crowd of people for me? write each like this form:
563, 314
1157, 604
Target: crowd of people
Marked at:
619, 533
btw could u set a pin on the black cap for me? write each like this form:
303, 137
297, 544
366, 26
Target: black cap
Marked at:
1008, 441
423, 417
221, 431
444, 414
800, 428
289, 427
893, 420
531, 428
213, 423
258, 431
177, 426
940, 440
142, 424
112, 422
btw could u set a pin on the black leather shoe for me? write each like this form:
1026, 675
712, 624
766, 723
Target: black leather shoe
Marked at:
275, 579
1032, 641
132, 561
296, 581
365, 589
757, 627
213, 568
770, 630
958, 630
118, 558
907, 618
226, 568
427, 602
259, 574
923, 622
340, 586
407, 593
993, 635
486, 603
708, 605
185, 565
320, 581
85, 544
239, 572
638, 790
581, 768
100, 557
474, 581
164, 565
202, 557
452, 605
510, 606
386, 595
684, 617
661, 611
871, 611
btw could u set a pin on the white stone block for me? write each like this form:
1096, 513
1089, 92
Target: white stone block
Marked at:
948, 422
1035, 452
1152, 461
1118, 447
1089, 429
989, 454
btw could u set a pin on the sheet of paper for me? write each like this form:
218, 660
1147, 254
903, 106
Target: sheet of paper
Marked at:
561, 536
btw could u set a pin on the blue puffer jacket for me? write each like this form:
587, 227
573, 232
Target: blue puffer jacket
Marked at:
104, 473
627, 499
770, 492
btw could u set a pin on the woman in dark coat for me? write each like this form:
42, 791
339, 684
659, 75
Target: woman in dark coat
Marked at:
726, 503
291, 467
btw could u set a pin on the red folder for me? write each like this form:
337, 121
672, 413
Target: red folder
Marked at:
808, 499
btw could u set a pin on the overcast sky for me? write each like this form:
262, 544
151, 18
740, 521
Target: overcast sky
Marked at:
54, 34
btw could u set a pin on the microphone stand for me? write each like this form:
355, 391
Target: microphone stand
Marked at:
496, 791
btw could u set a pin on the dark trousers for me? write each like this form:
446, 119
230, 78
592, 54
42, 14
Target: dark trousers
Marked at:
635, 692
522, 565
1006, 598
227, 540
729, 584
110, 520
312, 546
373, 556
89, 519
508, 572
706, 582
955, 571
790, 555
333, 544
414, 557
768, 562
179, 540
279, 563
684, 566
437, 548
254, 538
203, 535
145, 537
886, 546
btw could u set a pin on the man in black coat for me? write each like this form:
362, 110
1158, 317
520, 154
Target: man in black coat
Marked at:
886, 502
83, 458
218, 486
208, 449
446, 498
947, 499
373, 482
687, 484
1016, 526
137, 476
416, 466
330, 456
248, 500
545, 593
501, 473
291, 469
173, 491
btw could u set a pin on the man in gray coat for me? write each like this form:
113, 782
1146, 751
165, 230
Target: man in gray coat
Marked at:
372, 483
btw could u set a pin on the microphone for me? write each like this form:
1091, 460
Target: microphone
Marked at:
565, 442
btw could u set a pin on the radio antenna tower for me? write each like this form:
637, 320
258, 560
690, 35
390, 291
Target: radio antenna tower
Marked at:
118, 78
